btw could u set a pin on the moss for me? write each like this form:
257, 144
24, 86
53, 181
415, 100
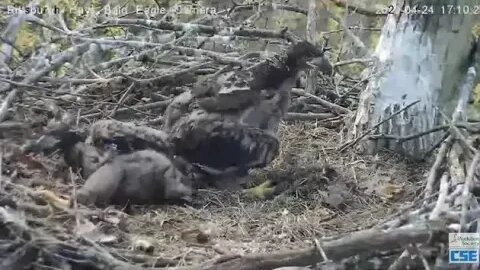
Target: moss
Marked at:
113, 31
355, 68
294, 21
27, 39
66, 5
476, 96
111, 55
476, 30
375, 38
151, 3
60, 72
22, 2
71, 8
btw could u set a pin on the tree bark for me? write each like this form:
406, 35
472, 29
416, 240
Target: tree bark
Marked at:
419, 58
311, 37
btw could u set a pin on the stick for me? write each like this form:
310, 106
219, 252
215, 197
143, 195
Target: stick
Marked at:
350, 144
332, 106
466, 190
308, 116
199, 28
432, 176
57, 62
442, 196
358, 243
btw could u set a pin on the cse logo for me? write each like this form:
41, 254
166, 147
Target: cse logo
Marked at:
463, 256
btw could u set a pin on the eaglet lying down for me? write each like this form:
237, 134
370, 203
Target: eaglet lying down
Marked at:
142, 177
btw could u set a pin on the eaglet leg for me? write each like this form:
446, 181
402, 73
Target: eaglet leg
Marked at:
262, 191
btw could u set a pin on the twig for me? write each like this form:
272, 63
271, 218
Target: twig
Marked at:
73, 199
333, 107
308, 116
357, 28
272, 6
320, 249
36, 20
422, 258
120, 42
173, 75
2, 53
350, 144
356, 9
357, 243
358, 43
311, 30
159, 104
400, 261
432, 176
219, 57
199, 28
1, 170
441, 201
57, 62
466, 190
409, 137
436, 144
122, 100
9, 35
363, 61
457, 133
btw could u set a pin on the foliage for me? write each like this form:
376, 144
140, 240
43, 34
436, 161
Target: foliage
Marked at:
375, 38
113, 31
21, 2
26, 40
476, 91
71, 8
476, 30
476, 96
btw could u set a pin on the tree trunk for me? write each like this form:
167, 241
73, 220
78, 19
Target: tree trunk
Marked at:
311, 33
419, 58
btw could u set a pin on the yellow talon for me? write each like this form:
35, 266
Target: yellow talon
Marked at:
261, 191
52, 199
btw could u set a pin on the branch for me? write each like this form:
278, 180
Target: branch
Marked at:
332, 106
356, 9
169, 76
199, 28
466, 190
352, 143
273, 6
83, 257
363, 61
311, 32
159, 104
441, 205
411, 137
357, 243
121, 42
308, 116
66, 56
8, 38
432, 176
350, 34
